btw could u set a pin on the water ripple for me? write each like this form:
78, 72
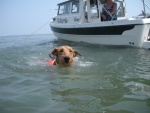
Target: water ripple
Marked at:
103, 80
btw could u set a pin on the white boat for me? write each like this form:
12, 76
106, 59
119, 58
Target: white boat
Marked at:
80, 21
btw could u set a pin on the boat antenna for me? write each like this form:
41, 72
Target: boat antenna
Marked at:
144, 9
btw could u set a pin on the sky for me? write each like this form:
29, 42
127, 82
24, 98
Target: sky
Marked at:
26, 17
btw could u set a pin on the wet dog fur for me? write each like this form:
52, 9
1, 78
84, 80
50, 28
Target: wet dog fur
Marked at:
64, 55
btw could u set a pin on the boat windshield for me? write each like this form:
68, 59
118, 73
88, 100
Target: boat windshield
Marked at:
64, 9
75, 7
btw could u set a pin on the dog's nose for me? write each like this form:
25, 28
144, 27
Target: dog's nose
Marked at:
66, 59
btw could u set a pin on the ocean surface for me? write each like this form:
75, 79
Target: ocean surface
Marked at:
105, 79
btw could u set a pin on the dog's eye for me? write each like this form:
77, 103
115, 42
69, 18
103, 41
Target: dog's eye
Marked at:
61, 50
70, 50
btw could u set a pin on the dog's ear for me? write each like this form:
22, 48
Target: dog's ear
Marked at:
76, 53
55, 52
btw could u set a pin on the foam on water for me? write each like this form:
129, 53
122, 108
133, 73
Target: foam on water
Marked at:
82, 63
36, 61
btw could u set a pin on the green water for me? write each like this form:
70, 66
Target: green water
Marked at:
105, 79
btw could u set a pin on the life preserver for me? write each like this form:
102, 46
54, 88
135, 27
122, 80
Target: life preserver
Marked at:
52, 62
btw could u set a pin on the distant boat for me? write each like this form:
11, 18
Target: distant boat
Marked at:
80, 21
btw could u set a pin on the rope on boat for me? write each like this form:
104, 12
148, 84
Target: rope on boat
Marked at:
41, 26
38, 29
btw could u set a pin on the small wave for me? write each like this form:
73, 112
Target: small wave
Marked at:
81, 63
85, 64
138, 90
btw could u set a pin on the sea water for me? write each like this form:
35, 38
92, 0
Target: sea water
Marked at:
105, 79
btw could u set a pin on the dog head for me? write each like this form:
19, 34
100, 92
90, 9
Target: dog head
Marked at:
64, 55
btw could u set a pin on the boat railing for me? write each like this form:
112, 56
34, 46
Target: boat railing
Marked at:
105, 9
53, 13
112, 16
144, 12
146, 4
116, 12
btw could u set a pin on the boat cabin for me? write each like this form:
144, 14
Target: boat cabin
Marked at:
85, 11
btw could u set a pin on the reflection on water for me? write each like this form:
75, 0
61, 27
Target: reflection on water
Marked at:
104, 79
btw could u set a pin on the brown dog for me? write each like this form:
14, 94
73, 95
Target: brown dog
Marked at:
64, 56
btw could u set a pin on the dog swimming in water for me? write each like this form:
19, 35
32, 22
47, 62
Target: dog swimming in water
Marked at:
63, 56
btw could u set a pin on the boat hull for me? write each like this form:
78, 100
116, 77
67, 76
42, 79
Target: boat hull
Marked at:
126, 34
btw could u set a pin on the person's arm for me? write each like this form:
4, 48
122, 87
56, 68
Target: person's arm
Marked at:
114, 9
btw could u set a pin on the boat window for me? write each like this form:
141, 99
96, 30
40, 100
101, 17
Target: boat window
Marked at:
94, 9
120, 9
75, 7
64, 9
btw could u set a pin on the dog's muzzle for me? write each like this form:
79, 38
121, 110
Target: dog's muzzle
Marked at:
66, 59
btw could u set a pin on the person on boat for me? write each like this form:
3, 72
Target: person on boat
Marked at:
109, 11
